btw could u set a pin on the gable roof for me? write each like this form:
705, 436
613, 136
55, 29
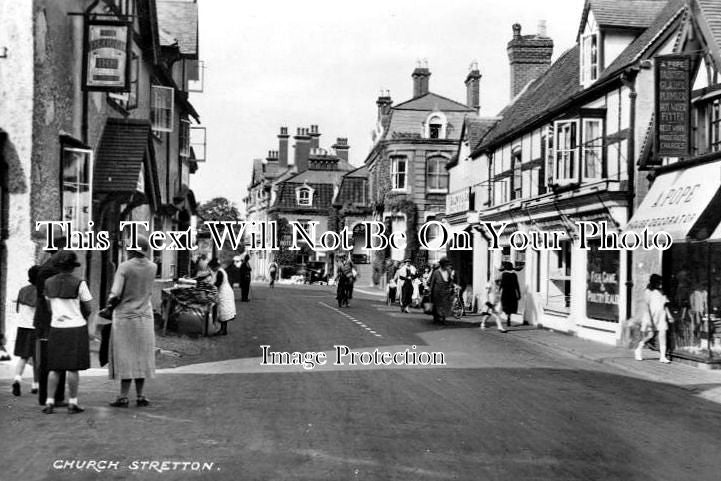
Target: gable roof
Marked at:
671, 12
638, 14
179, 19
561, 81
430, 102
710, 21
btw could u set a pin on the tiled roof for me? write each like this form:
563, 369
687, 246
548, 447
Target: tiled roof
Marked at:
430, 102
353, 190
561, 81
121, 155
322, 196
637, 47
622, 13
179, 19
477, 128
711, 19
318, 176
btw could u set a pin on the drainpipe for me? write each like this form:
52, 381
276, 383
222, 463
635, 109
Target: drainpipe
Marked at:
629, 81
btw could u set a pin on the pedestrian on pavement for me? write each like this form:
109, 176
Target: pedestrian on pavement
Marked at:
442, 291
226, 297
654, 318
273, 273
493, 307
41, 322
68, 339
233, 271
510, 291
404, 279
25, 337
132, 338
245, 277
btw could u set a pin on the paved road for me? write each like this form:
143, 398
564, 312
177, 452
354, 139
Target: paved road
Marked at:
501, 409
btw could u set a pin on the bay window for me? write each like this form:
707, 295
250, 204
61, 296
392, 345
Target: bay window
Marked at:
577, 150
592, 148
399, 166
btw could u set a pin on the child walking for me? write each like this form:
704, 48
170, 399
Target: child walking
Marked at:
25, 338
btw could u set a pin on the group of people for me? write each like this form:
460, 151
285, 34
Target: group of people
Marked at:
54, 309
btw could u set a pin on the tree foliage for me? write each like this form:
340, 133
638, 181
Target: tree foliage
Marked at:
218, 209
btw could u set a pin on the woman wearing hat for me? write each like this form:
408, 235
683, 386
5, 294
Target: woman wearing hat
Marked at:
510, 291
132, 338
68, 341
441, 287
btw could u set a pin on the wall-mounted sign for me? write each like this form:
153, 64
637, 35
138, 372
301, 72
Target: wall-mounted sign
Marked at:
602, 284
106, 65
673, 106
458, 201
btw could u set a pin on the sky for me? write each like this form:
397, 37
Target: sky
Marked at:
295, 63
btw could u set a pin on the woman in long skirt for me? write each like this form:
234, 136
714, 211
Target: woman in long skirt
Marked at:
132, 338
226, 297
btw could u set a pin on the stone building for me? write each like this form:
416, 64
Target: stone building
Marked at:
413, 142
301, 191
71, 153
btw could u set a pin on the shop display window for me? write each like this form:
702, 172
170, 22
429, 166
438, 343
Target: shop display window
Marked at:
692, 283
559, 278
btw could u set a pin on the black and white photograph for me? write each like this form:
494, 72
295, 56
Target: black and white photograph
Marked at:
360, 240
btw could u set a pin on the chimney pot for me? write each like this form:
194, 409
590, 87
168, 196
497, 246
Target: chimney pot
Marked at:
541, 28
516, 31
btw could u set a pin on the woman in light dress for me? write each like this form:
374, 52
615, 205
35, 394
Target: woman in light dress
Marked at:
655, 318
132, 335
226, 297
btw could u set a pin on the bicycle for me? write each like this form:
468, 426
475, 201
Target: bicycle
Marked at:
458, 309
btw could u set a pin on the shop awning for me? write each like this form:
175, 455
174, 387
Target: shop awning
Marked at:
125, 162
685, 203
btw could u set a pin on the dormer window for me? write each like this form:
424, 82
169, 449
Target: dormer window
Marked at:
304, 196
436, 126
589, 58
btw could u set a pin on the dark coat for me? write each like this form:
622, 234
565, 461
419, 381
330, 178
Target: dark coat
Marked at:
510, 292
441, 293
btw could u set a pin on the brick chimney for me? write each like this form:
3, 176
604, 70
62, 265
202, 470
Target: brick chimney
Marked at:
473, 87
529, 57
302, 149
421, 76
314, 137
283, 147
272, 156
341, 148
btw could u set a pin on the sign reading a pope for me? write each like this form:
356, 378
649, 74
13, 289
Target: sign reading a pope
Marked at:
106, 65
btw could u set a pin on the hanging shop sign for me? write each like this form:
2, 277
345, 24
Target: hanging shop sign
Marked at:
106, 56
673, 106
602, 286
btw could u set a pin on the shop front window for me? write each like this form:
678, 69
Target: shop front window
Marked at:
692, 283
559, 278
